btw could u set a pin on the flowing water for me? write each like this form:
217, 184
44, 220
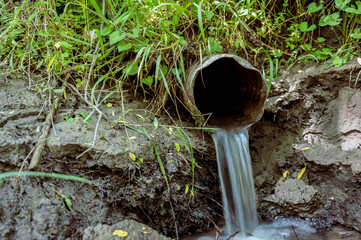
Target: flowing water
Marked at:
235, 172
239, 197
239, 200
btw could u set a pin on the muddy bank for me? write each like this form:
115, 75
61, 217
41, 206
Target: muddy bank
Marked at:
124, 187
313, 120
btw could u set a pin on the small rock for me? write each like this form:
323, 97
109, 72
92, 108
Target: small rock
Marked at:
293, 195
135, 230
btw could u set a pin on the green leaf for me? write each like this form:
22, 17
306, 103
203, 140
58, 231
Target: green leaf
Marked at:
331, 20
136, 32
213, 47
356, 34
313, 8
337, 61
39, 64
132, 69
50, 63
148, 81
59, 90
84, 115
175, 71
65, 44
123, 46
156, 124
66, 202
209, 15
327, 51
341, 4
353, 9
107, 30
304, 27
96, 7
69, 119
164, 69
320, 39
42, 33
307, 46
116, 37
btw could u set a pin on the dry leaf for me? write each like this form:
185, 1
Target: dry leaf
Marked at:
139, 116
285, 174
146, 230
300, 174
132, 137
132, 156
120, 233
177, 147
359, 60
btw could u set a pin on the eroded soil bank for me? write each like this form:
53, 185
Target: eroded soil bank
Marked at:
124, 188
312, 119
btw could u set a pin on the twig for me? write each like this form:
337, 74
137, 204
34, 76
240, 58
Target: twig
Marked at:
276, 49
123, 109
95, 136
234, 234
215, 225
175, 219
86, 101
293, 228
35, 160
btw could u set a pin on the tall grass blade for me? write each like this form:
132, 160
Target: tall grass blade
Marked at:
44, 174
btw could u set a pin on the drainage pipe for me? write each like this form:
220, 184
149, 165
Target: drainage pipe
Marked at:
226, 90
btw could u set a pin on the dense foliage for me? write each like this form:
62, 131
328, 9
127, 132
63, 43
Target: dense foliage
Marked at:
152, 42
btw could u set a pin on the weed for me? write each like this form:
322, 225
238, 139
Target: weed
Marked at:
44, 174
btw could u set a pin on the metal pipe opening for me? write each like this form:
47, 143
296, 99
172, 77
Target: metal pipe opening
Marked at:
228, 88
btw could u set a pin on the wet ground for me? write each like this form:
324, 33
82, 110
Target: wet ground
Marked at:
279, 232
311, 121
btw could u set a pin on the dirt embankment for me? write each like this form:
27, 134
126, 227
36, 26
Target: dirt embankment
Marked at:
312, 120
124, 188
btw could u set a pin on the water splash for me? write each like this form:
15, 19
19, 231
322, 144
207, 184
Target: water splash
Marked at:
235, 172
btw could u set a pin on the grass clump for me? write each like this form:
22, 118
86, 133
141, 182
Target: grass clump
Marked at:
147, 43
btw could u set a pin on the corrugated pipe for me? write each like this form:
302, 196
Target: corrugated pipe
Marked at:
226, 90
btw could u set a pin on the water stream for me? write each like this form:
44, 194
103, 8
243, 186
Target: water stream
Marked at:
239, 197
239, 200
235, 172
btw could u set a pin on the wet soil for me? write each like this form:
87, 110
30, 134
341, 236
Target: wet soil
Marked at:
312, 119
122, 189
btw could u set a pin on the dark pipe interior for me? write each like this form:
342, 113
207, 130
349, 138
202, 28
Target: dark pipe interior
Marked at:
226, 90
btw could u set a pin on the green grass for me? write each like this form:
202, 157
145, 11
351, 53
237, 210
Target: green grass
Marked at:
44, 174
